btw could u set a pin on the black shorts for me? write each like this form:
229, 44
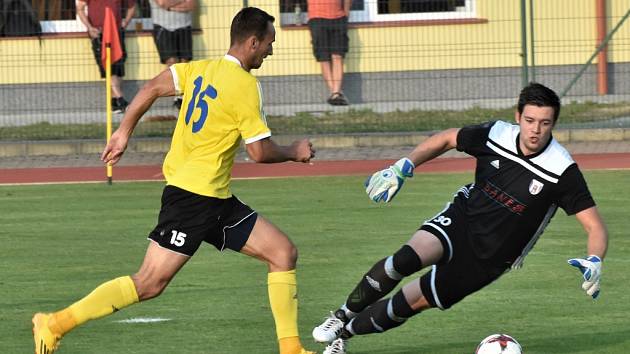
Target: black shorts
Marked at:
173, 44
186, 219
118, 68
460, 272
329, 37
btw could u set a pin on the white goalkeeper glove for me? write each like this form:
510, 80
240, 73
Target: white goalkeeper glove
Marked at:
383, 185
591, 269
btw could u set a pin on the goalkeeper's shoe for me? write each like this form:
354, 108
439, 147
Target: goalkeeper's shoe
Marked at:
46, 342
329, 330
338, 346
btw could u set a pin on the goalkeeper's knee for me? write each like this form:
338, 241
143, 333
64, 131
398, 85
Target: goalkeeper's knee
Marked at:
403, 263
382, 316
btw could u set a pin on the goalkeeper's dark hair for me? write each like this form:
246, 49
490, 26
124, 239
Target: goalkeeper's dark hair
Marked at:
247, 22
539, 95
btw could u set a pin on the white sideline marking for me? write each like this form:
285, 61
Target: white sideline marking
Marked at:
144, 320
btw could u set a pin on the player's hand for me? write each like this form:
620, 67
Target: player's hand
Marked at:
591, 269
93, 32
303, 149
115, 148
383, 185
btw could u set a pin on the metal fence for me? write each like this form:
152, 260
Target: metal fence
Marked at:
410, 63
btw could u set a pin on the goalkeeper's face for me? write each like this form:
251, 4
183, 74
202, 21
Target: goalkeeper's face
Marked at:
536, 124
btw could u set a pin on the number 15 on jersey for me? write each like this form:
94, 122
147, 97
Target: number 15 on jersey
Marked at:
197, 102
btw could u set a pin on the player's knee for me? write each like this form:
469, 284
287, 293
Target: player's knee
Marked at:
292, 255
400, 307
403, 263
285, 257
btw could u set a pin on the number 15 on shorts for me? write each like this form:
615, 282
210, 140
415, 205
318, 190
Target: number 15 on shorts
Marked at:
178, 238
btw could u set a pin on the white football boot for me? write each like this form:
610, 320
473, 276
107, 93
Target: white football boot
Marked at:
338, 346
329, 330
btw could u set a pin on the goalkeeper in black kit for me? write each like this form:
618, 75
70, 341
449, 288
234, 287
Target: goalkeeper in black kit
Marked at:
522, 176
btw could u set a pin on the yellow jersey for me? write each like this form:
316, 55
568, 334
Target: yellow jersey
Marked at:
222, 104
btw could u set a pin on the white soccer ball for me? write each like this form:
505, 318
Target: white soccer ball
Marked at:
499, 344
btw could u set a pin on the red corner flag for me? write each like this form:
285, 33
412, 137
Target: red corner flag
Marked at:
110, 38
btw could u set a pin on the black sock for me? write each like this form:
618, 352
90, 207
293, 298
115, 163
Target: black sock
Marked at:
380, 317
374, 285
373, 320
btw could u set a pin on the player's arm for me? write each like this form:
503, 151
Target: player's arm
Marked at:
383, 185
434, 146
597, 245
93, 32
596, 230
267, 151
160, 86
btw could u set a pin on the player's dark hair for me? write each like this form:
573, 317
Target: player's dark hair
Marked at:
539, 95
249, 21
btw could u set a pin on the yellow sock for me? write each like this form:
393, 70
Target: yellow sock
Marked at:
282, 287
108, 297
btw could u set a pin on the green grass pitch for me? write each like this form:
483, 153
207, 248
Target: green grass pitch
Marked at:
61, 241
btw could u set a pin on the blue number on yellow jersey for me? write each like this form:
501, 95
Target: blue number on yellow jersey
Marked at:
209, 91
222, 106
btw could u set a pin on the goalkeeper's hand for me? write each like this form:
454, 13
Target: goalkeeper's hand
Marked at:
383, 185
591, 269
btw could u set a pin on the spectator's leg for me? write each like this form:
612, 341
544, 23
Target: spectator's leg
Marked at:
328, 76
116, 86
337, 73
170, 61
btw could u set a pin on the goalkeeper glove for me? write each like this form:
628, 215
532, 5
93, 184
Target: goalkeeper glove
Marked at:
591, 269
383, 185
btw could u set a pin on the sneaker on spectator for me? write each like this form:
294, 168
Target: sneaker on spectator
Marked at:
337, 99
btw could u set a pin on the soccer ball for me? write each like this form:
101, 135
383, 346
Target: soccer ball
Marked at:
499, 344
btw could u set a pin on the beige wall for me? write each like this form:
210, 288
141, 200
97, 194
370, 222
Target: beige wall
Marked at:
565, 34
619, 49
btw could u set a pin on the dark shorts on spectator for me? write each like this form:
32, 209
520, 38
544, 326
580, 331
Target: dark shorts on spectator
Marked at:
329, 37
118, 67
173, 44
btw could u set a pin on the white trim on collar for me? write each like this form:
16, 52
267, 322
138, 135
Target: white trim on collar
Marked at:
521, 162
233, 59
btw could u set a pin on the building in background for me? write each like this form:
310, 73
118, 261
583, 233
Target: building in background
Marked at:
443, 54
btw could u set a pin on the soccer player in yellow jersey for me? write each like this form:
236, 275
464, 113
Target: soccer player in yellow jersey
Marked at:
222, 105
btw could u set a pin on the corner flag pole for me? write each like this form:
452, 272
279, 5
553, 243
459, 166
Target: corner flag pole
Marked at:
110, 52
108, 89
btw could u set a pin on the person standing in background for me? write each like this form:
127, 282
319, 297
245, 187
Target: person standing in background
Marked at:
328, 23
92, 14
172, 32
